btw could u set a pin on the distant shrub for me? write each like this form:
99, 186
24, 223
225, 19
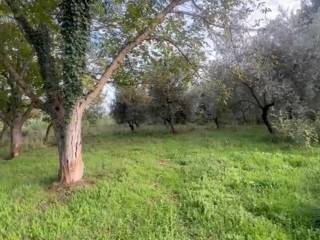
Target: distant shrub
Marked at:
301, 131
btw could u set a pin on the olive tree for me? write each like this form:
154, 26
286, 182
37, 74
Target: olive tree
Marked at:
168, 80
215, 93
16, 63
130, 106
14, 111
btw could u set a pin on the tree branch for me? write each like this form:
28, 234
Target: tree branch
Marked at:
195, 15
121, 55
209, 23
22, 84
196, 5
269, 105
253, 94
171, 42
30, 33
27, 113
248, 101
40, 40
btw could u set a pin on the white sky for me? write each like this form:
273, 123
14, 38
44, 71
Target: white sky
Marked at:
289, 5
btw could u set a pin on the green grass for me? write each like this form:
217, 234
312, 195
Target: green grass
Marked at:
204, 184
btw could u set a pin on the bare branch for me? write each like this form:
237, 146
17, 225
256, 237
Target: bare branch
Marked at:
196, 5
253, 94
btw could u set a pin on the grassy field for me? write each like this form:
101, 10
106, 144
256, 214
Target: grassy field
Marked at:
204, 184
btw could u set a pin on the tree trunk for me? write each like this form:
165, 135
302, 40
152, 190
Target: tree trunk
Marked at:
69, 141
3, 131
265, 118
244, 117
131, 126
216, 121
46, 137
165, 122
16, 138
173, 130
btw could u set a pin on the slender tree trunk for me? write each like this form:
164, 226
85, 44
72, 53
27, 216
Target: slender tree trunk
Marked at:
165, 122
131, 126
170, 122
244, 117
46, 137
290, 113
16, 138
265, 118
216, 121
69, 141
3, 131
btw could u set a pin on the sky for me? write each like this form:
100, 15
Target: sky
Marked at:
289, 5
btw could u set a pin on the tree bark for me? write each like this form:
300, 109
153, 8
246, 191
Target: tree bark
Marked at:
131, 126
265, 117
46, 137
165, 122
244, 117
69, 141
16, 138
216, 121
3, 131
170, 122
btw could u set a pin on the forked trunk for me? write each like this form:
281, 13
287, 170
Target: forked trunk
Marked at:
69, 140
16, 138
